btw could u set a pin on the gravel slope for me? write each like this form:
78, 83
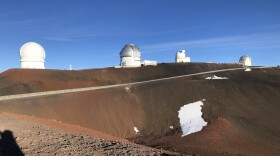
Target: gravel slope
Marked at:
23, 135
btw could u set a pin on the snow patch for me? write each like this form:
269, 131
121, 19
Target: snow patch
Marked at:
136, 130
190, 116
248, 69
215, 77
171, 127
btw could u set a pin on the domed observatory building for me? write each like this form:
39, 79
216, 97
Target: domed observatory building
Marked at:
181, 57
245, 60
130, 56
32, 56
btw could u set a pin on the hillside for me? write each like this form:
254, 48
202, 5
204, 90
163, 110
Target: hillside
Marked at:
242, 111
34, 136
15, 81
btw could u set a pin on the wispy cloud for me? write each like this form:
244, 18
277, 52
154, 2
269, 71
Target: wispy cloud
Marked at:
269, 27
55, 29
19, 22
65, 39
244, 41
75, 33
10, 13
71, 37
107, 30
179, 30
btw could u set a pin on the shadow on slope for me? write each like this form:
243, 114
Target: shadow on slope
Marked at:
8, 144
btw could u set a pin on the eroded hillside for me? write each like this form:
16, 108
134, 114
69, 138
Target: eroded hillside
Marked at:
241, 111
15, 81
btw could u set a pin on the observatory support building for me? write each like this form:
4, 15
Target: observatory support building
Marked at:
181, 57
32, 56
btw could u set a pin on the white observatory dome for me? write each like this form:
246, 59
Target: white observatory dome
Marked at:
32, 55
130, 56
181, 57
245, 60
181, 54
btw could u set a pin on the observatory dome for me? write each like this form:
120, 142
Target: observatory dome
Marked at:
32, 55
130, 50
245, 60
181, 54
181, 57
130, 56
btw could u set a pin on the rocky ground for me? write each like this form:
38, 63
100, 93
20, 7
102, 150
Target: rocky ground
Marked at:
21, 135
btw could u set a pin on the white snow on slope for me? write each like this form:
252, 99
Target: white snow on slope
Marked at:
215, 77
136, 130
191, 120
248, 69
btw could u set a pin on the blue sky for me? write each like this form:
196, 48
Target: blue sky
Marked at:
91, 33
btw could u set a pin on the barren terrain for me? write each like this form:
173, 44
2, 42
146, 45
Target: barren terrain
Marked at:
242, 112
33, 136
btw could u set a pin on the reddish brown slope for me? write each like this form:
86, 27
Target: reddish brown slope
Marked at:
249, 102
104, 110
17, 81
21, 134
247, 105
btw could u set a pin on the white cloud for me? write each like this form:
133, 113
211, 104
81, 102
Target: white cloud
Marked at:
255, 41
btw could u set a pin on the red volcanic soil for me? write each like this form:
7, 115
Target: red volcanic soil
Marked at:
242, 111
220, 137
70, 128
16, 81
25, 135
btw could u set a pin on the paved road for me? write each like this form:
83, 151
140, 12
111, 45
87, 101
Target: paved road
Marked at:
65, 91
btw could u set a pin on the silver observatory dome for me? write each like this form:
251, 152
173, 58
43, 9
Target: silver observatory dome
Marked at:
130, 50
244, 58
